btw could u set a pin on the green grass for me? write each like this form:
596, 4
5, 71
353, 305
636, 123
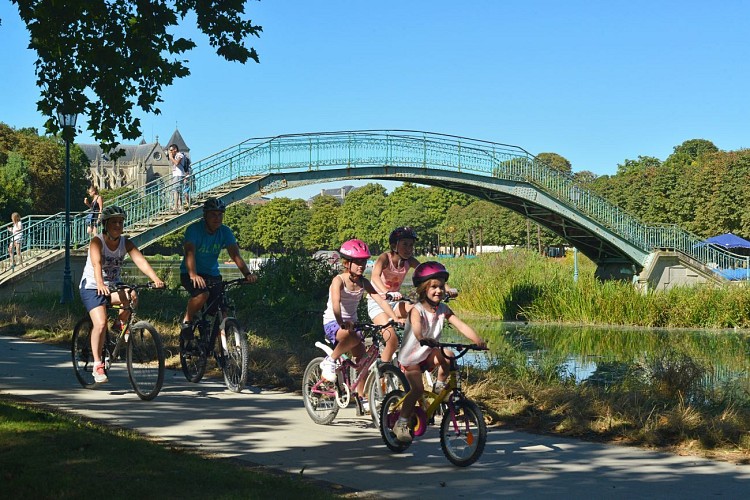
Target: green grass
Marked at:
48, 454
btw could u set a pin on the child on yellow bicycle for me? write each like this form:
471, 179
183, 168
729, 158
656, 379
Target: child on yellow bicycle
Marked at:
344, 295
421, 333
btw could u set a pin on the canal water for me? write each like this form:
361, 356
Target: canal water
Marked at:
696, 362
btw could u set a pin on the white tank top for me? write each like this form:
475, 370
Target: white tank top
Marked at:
111, 264
349, 303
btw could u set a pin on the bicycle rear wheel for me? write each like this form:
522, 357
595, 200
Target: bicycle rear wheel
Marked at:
83, 358
463, 443
389, 413
390, 378
193, 360
319, 396
145, 360
233, 356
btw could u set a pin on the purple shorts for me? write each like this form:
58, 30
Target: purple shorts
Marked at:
331, 329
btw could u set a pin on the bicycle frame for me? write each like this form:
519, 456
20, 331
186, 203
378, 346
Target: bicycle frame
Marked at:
362, 366
224, 311
430, 402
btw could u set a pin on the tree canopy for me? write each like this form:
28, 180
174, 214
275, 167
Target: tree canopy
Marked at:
103, 59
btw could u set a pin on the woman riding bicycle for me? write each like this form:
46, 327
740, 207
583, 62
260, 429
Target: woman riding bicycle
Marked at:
345, 292
103, 268
422, 331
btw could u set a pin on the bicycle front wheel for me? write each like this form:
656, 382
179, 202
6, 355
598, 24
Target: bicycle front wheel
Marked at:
389, 379
319, 396
83, 357
389, 413
145, 360
233, 351
463, 438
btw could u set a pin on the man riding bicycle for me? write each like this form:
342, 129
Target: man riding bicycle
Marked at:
203, 242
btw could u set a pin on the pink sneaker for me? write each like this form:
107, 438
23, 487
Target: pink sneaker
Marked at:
100, 376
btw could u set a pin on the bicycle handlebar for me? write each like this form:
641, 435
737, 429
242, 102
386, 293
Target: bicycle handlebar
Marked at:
129, 286
372, 328
390, 297
462, 348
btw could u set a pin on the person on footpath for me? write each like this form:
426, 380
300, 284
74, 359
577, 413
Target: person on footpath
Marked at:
177, 160
344, 295
424, 326
199, 268
388, 273
102, 271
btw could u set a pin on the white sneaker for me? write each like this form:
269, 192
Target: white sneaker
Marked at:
401, 429
439, 386
328, 369
99, 375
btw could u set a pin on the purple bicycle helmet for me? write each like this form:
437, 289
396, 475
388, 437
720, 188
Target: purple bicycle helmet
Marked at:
400, 233
354, 249
429, 270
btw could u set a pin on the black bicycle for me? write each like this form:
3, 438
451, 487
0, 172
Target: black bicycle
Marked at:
219, 335
138, 343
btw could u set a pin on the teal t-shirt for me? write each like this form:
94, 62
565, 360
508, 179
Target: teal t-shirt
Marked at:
207, 247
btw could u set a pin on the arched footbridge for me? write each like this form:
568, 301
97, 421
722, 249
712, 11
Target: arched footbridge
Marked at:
622, 246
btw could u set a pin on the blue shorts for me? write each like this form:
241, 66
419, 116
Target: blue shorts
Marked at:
90, 298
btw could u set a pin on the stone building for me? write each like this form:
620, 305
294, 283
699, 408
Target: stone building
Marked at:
141, 164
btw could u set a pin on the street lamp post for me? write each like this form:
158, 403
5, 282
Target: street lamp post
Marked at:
67, 120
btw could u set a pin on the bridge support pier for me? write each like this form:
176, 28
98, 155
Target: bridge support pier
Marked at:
620, 270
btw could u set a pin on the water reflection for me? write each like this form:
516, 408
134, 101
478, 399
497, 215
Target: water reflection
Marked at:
696, 364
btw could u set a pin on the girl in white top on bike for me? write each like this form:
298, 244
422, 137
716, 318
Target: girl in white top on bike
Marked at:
421, 334
344, 295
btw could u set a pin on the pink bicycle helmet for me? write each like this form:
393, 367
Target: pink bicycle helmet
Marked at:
354, 249
429, 270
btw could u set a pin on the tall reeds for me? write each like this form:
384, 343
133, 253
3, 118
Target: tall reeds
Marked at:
522, 285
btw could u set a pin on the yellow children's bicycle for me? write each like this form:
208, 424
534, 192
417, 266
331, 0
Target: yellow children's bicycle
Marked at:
463, 432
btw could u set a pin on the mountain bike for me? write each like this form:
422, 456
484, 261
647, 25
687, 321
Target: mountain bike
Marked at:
323, 399
220, 336
138, 343
463, 432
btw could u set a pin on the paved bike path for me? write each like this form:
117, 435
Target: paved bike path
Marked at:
272, 429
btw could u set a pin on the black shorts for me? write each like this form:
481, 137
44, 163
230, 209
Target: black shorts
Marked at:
194, 292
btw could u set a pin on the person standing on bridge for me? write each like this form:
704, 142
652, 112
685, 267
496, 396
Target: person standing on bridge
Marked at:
178, 176
200, 265
103, 267
95, 208
16, 230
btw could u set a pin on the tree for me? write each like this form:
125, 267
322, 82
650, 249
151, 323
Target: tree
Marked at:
693, 149
322, 229
15, 188
555, 161
104, 58
360, 215
279, 226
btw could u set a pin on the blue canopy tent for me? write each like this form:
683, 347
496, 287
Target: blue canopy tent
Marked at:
735, 244
729, 241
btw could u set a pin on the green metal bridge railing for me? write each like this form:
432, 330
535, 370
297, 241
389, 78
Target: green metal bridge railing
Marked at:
373, 148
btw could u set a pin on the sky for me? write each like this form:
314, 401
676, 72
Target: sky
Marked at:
596, 82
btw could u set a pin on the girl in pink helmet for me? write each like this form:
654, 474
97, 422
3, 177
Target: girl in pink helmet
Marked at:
388, 274
344, 295
421, 333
